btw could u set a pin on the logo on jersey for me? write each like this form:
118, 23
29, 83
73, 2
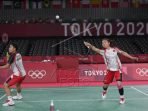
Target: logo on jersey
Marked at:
37, 74
142, 71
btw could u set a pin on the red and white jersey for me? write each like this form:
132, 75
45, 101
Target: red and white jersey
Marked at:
111, 59
16, 64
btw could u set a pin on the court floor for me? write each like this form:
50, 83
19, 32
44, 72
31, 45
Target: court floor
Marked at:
79, 99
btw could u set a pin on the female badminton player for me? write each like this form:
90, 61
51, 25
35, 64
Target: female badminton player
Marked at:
15, 63
114, 68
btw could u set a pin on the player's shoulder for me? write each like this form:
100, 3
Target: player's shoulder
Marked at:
102, 50
117, 49
18, 56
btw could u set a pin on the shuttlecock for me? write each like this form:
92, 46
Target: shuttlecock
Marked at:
51, 106
57, 17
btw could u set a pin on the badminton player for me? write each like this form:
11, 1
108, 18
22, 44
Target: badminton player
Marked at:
15, 63
114, 68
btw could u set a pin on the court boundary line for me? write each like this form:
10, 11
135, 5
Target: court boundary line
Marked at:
132, 87
81, 100
68, 88
4, 95
42, 89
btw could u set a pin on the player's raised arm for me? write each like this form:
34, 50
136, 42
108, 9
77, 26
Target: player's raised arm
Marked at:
88, 45
127, 55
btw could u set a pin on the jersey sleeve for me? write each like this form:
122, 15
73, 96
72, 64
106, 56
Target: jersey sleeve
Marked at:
18, 57
11, 59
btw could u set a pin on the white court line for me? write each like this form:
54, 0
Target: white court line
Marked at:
82, 100
43, 89
52, 89
139, 91
65, 89
4, 95
81, 89
62, 88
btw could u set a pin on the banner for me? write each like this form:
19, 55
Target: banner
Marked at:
94, 73
40, 72
138, 71
37, 72
69, 75
72, 62
4, 74
107, 29
46, 72
75, 29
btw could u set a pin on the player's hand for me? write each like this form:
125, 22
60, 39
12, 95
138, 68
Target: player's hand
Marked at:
88, 45
136, 59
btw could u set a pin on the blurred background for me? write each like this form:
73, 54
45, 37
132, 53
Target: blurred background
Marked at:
47, 19
53, 31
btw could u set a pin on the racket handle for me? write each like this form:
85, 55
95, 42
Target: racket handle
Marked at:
88, 47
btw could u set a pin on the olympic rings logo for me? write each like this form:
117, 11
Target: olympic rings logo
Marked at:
142, 71
37, 74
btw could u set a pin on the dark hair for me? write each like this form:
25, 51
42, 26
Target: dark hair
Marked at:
14, 45
112, 43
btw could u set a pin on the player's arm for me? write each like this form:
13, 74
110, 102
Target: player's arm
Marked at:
5, 66
10, 61
88, 45
127, 55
